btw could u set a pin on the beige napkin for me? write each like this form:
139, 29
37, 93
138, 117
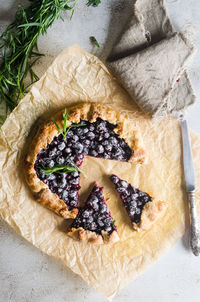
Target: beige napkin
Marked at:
150, 60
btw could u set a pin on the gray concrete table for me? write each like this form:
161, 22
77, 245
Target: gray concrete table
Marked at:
26, 274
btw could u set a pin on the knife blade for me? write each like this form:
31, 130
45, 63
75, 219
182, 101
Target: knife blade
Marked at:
190, 187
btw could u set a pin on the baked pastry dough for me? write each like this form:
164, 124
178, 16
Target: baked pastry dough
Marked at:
94, 223
103, 133
141, 207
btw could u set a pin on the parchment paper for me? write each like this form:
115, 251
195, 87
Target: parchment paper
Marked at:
77, 76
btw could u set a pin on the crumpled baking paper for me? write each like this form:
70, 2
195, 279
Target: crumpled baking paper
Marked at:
76, 76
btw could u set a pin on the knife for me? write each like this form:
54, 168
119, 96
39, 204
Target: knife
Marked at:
190, 187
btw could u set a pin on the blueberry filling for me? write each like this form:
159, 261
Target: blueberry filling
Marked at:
132, 198
95, 216
94, 139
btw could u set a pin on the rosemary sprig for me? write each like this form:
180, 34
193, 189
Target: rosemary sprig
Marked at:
18, 45
94, 41
62, 169
93, 2
59, 169
66, 129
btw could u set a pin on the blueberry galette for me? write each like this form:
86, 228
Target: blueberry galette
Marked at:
94, 222
141, 207
52, 166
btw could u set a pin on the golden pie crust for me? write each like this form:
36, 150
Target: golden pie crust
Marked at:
46, 133
92, 237
151, 212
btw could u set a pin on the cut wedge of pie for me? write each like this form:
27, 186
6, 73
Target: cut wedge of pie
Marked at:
141, 207
89, 130
94, 223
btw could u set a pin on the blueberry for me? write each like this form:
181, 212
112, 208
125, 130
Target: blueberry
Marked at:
106, 156
90, 219
100, 149
94, 199
94, 153
51, 176
61, 146
113, 140
91, 128
79, 131
106, 135
75, 138
90, 135
72, 194
62, 183
70, 133
146, 198
86, 214
124, 184
50, 163
79, 147
134, 196
133, 203
120, 189
137, 211
73, 203
115, 179
85, 151
132, 211
108, 229
65, 194
103, 208
54, 184
101, 126
60, 160
105, 143
75, 174
95, 189
100, 222
52, 153
108, 148
87, 142
68, 150
85, 130
74, 181
93, 226
107, 221
141, 194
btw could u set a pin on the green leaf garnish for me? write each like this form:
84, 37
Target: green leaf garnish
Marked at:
66, 129
93, 2
94, 41
59, 169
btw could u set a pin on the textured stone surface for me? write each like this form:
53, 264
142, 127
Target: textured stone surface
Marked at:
26, 274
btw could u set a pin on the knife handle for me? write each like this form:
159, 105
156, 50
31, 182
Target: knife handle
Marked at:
195, 233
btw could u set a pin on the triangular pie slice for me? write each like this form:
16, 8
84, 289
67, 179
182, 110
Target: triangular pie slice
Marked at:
94, 223
141, 207
94, 130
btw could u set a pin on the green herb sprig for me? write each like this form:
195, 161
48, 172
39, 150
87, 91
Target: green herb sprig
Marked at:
66, 129
18, 46
58, 169
93, 2
94, 41
61, 169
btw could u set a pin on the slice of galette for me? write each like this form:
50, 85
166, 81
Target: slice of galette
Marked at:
141, 207
60, 145
94, 223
